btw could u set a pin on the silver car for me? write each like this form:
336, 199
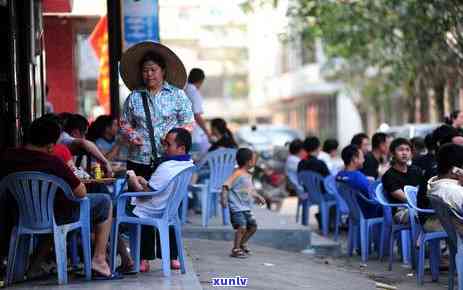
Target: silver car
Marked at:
412, 130
266, 138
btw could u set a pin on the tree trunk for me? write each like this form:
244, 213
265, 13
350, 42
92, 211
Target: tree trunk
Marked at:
410, 101
423, 94
378, 112
439, 97
453, 94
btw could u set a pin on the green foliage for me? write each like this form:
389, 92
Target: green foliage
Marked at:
250, 6
403, 40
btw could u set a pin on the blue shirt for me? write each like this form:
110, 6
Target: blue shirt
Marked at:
356, 179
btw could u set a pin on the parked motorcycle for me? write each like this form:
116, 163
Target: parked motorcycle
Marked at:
270, 179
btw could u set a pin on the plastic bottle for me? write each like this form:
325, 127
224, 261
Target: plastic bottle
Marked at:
97, 171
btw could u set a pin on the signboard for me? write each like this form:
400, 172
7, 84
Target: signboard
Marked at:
140, 20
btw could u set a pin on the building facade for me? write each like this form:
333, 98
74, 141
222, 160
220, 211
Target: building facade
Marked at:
287, 80
212, 35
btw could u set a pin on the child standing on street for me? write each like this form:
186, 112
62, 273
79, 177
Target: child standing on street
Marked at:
236, 194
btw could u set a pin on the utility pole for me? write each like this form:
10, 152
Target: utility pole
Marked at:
114, 45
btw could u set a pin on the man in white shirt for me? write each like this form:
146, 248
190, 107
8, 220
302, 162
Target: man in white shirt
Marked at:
177, 145
329, 155
448, 183
201, 134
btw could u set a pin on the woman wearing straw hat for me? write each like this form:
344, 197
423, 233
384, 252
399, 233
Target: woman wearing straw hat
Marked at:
157, 103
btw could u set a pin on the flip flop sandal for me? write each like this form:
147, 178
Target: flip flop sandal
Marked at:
97, 276
238, 253
246, 250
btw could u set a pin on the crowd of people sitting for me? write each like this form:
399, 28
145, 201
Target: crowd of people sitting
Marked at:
148, 145
432, 164
68, 146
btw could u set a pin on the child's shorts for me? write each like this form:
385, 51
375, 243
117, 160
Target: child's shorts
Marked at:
243, 219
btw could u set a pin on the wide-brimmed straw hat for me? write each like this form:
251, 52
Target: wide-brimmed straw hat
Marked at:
131, 68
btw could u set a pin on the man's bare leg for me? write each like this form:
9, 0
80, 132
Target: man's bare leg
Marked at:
101, 240
126, 259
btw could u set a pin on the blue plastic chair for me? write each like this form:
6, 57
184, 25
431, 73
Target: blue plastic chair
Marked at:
341, 205
35, 193
420, 237
195, 189
312, 183
372, 189
178, 187
447, 217
391, 229
221, 163
184, 207
294, 182
118, 187
358, 223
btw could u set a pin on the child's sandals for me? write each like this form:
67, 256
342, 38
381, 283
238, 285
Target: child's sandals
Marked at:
246, 249
238, 253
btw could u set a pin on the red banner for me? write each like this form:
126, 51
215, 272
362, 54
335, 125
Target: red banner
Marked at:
99, 42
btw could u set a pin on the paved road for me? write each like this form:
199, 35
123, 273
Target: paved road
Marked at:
269, 268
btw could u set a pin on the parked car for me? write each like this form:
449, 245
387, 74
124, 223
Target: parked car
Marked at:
266, 138
411, 130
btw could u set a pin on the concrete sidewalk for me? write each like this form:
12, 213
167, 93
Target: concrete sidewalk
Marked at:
141, 281
274, 230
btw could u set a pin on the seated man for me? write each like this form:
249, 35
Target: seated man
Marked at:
296, 154
177, 145
36, 156
362, 141
351, 175
311, 146
399, 175
376, 160
426, 160
428, 164
73, 136
448, 183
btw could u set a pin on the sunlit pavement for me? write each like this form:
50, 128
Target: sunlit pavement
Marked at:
268, 267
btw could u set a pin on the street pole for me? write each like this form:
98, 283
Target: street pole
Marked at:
11, 107
114, 45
